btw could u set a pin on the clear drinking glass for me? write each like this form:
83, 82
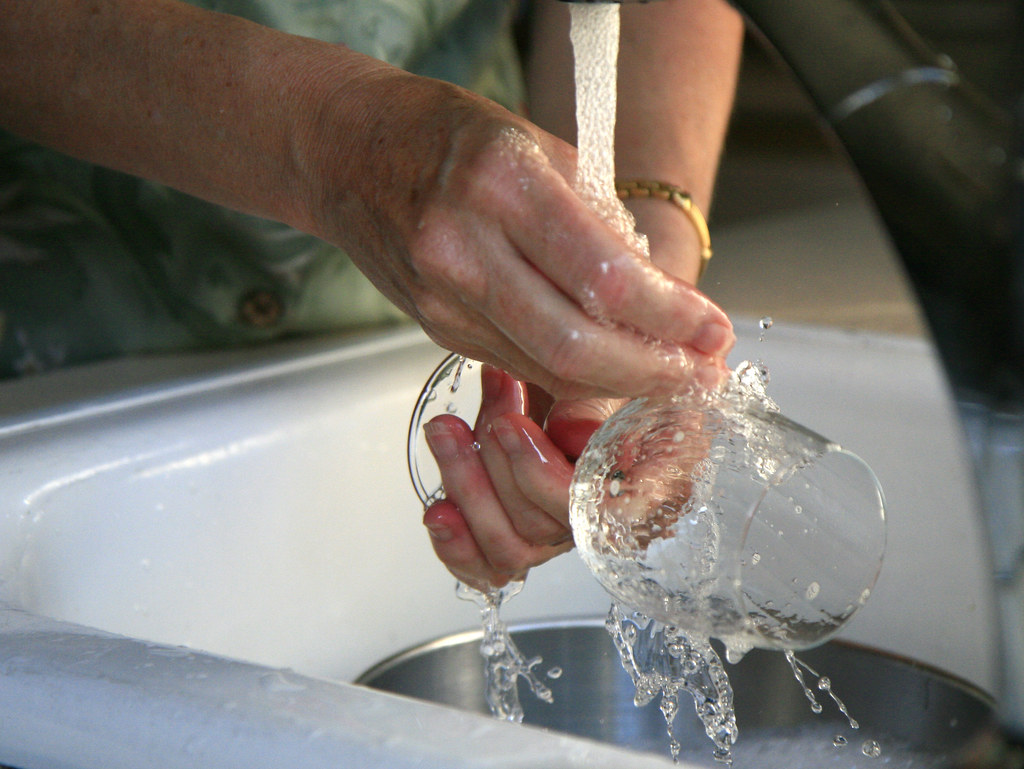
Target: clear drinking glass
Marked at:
714, 513
453, 388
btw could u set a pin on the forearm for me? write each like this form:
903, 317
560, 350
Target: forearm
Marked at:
678, 64
201, 101
457, 210
677, 67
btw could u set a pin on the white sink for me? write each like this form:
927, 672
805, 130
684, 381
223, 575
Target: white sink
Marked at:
207, 521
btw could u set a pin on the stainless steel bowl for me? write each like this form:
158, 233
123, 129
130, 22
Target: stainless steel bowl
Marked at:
919, 716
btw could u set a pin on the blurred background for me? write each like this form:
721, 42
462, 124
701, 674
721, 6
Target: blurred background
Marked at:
785, 179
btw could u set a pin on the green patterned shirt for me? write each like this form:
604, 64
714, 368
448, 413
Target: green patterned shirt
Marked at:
95, 263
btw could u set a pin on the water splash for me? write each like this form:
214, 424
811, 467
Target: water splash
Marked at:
457, 376
504, 663
667, 662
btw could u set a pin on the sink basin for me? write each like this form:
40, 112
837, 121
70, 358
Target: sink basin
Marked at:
917, 715
197, 552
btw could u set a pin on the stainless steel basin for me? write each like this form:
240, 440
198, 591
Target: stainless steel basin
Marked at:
919, 716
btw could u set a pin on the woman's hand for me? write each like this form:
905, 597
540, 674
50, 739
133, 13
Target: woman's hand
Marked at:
506, 482
463, 214
458, 210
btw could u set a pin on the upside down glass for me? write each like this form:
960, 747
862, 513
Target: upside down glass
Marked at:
713, 513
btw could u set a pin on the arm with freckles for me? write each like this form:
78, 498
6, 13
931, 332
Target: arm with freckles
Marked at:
678, 64
459, 211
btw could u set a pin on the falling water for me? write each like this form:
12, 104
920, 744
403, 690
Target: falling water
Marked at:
594, 33
660, 660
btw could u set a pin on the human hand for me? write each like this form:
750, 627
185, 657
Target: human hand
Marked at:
463, 215
461, 212
506, 482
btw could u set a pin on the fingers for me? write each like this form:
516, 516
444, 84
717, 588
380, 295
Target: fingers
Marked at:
559, 345
454, 546
535, 514
470, 530
570, 424
540, 470
590, 262
506, 487
519, 272
661, 329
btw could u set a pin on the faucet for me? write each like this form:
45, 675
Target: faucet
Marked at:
944, 168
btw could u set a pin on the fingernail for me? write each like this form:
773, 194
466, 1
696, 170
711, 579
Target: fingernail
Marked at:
441, 441
713, 338
440, 532
507, 436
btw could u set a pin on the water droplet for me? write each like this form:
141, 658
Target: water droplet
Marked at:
824, 684
839, 741
812, 591
871, 749
765, 323
734, 654
554, 673
476, 446
755, 559
457, 376
641, 642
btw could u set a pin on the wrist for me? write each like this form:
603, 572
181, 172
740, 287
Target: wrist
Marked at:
677, 246
370, 144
